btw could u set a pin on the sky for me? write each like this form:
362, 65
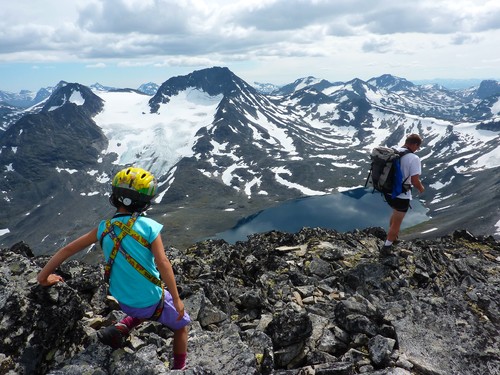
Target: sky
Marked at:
125, 43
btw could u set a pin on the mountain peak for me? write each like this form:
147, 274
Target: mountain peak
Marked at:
72, 93
266, 88
149, 88
391, 83
214, 81
309, 82
488, 88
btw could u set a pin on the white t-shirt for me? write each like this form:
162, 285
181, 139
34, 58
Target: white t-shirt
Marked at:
410, 166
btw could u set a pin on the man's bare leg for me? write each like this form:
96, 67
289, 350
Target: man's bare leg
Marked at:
394, 225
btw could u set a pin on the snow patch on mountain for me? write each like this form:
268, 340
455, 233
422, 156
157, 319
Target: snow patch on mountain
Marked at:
76, 98
495, 108
489, 160
309, 81
67, 170
154, 141
278, 135
279, 173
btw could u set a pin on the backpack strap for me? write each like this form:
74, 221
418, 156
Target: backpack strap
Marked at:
402, 189
117, 240
403, 153
126, 229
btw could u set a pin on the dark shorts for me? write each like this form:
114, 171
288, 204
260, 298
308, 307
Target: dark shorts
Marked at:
398, 204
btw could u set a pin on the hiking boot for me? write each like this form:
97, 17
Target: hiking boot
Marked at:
114, 336
386, 251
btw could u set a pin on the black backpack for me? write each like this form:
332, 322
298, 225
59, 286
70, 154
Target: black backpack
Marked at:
385, 171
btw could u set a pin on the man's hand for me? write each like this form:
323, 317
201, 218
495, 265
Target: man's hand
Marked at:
50, 280
415, 181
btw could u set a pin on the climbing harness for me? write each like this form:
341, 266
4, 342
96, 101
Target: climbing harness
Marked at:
126, 229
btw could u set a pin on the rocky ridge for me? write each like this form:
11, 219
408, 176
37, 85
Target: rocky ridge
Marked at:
314, 302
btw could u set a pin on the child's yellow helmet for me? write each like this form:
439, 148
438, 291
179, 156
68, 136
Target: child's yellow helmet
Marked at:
134, 185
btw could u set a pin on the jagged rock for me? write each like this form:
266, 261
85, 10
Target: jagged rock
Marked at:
289, 327
315, 302
380, 348
209, 314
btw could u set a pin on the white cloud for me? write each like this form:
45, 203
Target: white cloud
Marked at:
294, 38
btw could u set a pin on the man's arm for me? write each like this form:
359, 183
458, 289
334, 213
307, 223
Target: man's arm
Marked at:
415, 181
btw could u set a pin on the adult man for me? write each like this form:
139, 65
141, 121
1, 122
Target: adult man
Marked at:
411, 169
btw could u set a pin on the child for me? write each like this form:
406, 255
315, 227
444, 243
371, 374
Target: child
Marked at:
133, 248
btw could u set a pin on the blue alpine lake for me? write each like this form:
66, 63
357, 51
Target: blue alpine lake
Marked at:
353, 209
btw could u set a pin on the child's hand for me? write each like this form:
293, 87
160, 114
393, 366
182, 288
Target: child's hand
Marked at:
179, 306
51, 280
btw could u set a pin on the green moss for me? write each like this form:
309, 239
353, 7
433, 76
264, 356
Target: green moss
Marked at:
50, 355
259, 357
478, 311
353, 260
283, 271
476, 246
412, 268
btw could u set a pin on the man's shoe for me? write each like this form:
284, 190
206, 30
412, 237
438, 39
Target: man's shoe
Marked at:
113, 336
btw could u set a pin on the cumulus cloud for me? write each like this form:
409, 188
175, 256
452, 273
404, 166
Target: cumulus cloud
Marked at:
144, 17
191, 32
126, 28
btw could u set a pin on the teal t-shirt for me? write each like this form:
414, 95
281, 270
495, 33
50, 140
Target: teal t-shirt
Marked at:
126, 284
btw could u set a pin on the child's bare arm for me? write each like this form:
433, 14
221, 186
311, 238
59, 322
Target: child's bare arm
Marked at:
46, 277
167, 274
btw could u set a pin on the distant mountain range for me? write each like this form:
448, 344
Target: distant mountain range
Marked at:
223, 149
452, 84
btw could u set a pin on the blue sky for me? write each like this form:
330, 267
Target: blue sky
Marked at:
125, 43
